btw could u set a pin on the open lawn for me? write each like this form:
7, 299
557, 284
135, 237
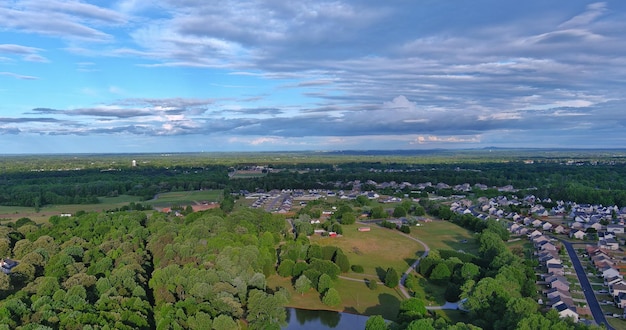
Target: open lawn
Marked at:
375, 250
618, 324
356, 298
445, 235
186, 197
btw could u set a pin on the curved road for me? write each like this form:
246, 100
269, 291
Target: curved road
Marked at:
592, 301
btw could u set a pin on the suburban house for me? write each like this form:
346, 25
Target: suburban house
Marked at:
567, 311
620, 300
577, 234
547, 246
613, 280
615, 228
559, 229
609, 272
552, 293
546, 226
559, 282
556, 269
617, 288
609, 244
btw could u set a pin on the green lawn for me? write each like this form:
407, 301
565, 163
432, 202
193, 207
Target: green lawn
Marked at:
377, 249
445, 235
186, 197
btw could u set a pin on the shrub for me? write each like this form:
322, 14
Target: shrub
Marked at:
357, 269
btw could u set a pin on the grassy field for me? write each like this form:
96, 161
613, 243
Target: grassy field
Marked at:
186, 197
356, 298
15, 212
374, 250
444, 235
12, 213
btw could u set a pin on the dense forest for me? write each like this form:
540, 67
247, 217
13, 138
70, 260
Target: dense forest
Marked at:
124, 270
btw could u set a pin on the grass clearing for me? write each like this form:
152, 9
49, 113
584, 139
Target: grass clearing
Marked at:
377, 249
445, 235
186, 197
356, 298
16, 212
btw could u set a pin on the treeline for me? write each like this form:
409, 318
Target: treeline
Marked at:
596, 184
36, 189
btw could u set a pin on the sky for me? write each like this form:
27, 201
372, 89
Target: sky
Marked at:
127, 76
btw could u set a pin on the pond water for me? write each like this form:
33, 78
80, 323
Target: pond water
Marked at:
311, 319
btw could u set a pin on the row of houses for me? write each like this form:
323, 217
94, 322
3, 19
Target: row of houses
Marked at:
557, 293
611, 271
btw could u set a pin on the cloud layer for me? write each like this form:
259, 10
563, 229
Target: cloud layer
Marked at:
267, 75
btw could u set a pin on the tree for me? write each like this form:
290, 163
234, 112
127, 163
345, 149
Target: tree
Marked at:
376, 322
314, 252
378, 212
303, 284
362, 200
348, 218
324, 283
399, 212
5, 282
391, 278
223, 322
266, 311
285, 269
491, 245
516, 310
469, 271
331, 298
411, 309
342, 261
422, 324
441, 273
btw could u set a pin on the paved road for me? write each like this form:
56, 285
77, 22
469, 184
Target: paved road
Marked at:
592, 301
413, 266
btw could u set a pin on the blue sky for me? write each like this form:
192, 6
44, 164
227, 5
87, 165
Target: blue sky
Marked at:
195, 75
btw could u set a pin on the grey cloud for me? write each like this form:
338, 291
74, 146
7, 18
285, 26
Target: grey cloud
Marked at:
6, 120
167, 102
256, 111
97, 112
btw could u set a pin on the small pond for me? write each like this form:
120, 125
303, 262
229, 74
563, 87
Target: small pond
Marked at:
312, 319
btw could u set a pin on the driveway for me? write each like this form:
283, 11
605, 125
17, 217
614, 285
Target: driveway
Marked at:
592, 302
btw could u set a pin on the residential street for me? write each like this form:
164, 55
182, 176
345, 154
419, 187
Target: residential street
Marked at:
592, 302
